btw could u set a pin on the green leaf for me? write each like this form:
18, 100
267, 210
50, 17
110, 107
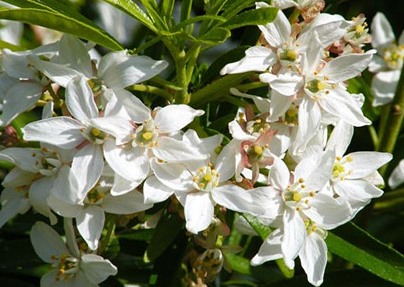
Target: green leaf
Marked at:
252, 17
239, 263
63, 23
232, 8
197, 19
215, 36
167, 7
359, 247
152, 10
165, 233
133, 10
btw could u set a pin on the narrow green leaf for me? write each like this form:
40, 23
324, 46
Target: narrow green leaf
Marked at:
232, 8
63, 23
165, 233
197, 19
359, 247
6, 45
152, 10
252, 17
167, 7
133, 10
215, 36
239, 263
186, 8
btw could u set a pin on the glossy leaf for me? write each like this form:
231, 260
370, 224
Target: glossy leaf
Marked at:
359, 247
63, 23
165, 233
133, 10
252, 17
215, 36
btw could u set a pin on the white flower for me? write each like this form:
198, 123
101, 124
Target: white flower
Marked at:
88, 210
38, 173
71, 266
388, 62
397, 176
300, 211
199, 186
351, 172
144, 134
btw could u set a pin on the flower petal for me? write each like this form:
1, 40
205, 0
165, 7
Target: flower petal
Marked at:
175, 151
294, 235
63, 132
127, 203
270, 249
47, 242
172, 118
96, 268
361, 164
198, 211
154, 191
90, 223
382, 33
397, 176
313, 257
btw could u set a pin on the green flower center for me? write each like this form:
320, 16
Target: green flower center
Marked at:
206, 178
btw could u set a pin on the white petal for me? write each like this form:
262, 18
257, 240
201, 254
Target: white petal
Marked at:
256, 201
120, 70
24, 158
262, 104
279, 105
294, 235
326, 211
257, 58
80, 100
313, 258
270, 249
96, 268
279, 175
154, 191
277, 32
287, 84
309, 118
204, 145
120, 128
64, 208
172, 118
346, 67
20, 98
198, 211
130, 163
60, 74
87, 165
175, 151
362, 164
313, 54
65, 186
12, 205
225, 163
340, 138
122, 185
172, 175
128, 203
47, 242
63, 132
382, 33
397, 176
384, 86
74, 54
134, 107
342, 105
38, 194
356, 190
90, 224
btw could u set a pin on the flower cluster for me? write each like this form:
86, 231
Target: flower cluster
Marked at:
102, 150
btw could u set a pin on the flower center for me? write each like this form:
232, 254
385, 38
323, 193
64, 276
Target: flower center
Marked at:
94, 135
146, 135
394, 56
67, 267
291, 117
316, 86
95, 196
296, 195
339, 171
206, 178
49, 163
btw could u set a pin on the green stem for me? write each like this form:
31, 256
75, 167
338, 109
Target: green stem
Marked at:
373, 135
217, 89
151, 90
191, 58
110, 226
395, 118
251, 86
